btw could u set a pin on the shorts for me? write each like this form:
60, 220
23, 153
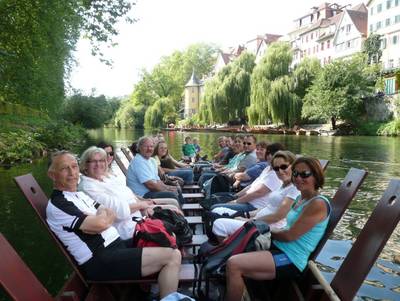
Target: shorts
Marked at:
284, 267
116, 262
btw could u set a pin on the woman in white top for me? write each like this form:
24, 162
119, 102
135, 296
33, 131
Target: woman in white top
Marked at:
278, 202
107, 190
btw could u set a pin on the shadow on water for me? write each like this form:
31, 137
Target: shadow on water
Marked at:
376, 154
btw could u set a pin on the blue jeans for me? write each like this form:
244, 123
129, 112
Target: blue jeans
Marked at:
165, 194
205, 176
185, 173
242, 207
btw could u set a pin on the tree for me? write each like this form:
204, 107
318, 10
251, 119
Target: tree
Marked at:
167, 80
228, 94
37, 39
160, 114
372, 48
89, 111
339, 90
277, 91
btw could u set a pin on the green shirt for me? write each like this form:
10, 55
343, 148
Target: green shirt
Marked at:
188, 150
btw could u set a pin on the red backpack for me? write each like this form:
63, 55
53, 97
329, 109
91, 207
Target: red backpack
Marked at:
152, 233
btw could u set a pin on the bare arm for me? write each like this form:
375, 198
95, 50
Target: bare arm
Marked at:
259, 192
242, 176
280, 213
312, 215
94, 224
158, 186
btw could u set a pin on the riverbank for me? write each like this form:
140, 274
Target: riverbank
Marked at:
391, 128
23, 138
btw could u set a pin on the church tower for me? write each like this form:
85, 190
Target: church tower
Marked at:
193, 90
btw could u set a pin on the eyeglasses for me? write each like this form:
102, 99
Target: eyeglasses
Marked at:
283, 167
96, 161
110, 154
247, 143
303, 174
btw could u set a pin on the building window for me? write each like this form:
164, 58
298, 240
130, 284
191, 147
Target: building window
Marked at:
348, 44
371, 11
389, 86
396, 2
387, 22
378, 25
394, 40
371, 28
348, 28
312, 36
322, 46
388, 4
397, 19
383, 44
192, 90
379, 8
193, 99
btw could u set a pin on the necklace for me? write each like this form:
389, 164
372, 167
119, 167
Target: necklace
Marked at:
304, 200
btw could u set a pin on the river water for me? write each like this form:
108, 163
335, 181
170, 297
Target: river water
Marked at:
378, 155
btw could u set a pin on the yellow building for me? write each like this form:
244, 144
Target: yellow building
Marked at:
193, 91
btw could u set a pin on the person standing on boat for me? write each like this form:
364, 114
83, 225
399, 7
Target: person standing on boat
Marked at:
306, 224
85, 228
142, 177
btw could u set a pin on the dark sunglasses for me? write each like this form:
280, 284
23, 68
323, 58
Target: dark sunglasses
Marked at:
303, 174
247, 143
110, 154
283, 167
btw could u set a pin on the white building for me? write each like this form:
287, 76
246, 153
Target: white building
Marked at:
384, 19
260, 44
351, 31
329, 32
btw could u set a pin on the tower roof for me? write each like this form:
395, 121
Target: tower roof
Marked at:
193, 81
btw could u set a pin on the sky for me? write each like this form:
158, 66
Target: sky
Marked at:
164, 26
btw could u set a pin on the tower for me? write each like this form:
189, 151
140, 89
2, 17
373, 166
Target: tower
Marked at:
192, 96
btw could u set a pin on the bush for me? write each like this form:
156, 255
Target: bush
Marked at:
18, 146
390, 129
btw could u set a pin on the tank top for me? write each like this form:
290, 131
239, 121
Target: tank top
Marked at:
300, 249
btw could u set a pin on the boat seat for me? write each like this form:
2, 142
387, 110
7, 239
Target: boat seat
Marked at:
21, 284
364, 251
127, 153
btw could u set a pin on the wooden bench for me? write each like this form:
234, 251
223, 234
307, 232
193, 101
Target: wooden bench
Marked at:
364, 251
21, 284
38, 200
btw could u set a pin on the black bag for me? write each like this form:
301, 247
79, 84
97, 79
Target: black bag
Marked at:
207, 203
214, 259
176, 223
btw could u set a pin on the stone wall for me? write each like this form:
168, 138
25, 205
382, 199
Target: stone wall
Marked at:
381, 108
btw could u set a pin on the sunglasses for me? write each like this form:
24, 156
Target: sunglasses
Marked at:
247, 143
282, 167
303, 174
110, 154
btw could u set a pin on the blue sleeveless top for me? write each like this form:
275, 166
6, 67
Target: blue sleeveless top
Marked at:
300, 249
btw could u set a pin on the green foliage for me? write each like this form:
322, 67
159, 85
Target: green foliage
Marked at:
130, 116
23, 138
36, 43
372, 48
228, 94
161, 113
339, 90
368, 128
89, 111
390, 129
166, 80
19, 145
62, 135
276, 91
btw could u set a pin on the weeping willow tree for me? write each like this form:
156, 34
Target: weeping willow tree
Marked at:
227, 95
160, 113
277, 90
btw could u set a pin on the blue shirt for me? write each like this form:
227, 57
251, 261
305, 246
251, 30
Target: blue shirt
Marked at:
254, 171
140, 171
300, 249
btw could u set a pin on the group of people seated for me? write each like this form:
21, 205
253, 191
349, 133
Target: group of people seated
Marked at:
94, 213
